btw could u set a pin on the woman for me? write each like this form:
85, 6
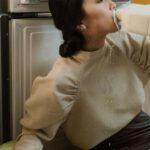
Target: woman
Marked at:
95, 90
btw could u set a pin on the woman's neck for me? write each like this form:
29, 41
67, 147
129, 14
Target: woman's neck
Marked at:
93, 44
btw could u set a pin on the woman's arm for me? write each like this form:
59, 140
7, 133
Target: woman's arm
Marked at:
135, 46
47, 108
140, 51
135, 18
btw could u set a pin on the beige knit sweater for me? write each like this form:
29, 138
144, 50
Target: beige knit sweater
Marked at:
91, 96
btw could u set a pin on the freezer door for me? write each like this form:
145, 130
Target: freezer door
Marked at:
28, 6
34, 48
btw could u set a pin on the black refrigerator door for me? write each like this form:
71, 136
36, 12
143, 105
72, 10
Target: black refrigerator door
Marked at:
4, 81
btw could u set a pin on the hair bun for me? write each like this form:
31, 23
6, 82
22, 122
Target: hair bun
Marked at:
71, 46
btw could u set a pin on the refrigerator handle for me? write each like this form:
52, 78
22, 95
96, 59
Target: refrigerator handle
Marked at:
44, 14
5, 15
32, 1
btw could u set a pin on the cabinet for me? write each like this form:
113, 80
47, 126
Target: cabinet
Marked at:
141, 1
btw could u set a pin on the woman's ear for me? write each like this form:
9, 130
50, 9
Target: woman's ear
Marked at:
81, 27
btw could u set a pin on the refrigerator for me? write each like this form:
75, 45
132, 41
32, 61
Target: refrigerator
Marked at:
29, 44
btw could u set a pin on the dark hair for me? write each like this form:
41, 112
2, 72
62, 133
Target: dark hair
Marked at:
67, 14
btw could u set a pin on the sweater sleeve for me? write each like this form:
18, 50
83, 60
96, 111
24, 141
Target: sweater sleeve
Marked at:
51, 100
135, 18
135, 46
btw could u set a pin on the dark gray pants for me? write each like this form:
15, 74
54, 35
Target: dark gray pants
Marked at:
135, 136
